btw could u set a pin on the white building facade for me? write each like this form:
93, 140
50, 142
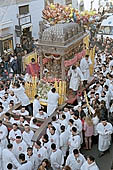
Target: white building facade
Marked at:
18, 18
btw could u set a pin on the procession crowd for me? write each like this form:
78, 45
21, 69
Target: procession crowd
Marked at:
87, 123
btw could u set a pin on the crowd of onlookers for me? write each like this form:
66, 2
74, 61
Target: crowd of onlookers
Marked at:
11, 62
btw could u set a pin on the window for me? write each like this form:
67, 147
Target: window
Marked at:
24, 10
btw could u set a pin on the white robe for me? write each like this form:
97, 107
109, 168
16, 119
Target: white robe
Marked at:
48, 148
3, 136
78, 124
21, 123
55, 139
57, 159
95, 123
75, 142
13, 134
9, 157
36, 107
76, 76
104, 136
84, 66
1, 157
64, 142
57, 126
41, 116
92, 166
41, 153
33, 159
19, 148
26, 113
64, 122
27, 137
73, 163
52, 102
32, 125
26, 166
68, 115
20, 93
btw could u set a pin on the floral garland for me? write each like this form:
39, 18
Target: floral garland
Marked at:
52, 57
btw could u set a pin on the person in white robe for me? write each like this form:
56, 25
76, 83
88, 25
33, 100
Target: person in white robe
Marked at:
76, 76
84, 66
19, 146
67, 113
54, 137
9, 157
41, 114
104, 130
36, 105
25, 165
95, 120
22, 121
13, 97
2, 110
8, 118
3, 135
56, 124
75, 160
19, 91
52, 101
30, 156
48, 129
70, 125
63, 121
74, 140
78, 124
56, 158
13, 133
47, 144
64, 140
40, 151
33, 123
1, 157
89, 164
22, 112
27, 135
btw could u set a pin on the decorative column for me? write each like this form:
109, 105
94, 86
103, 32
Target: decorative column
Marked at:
41, 63
63, 68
